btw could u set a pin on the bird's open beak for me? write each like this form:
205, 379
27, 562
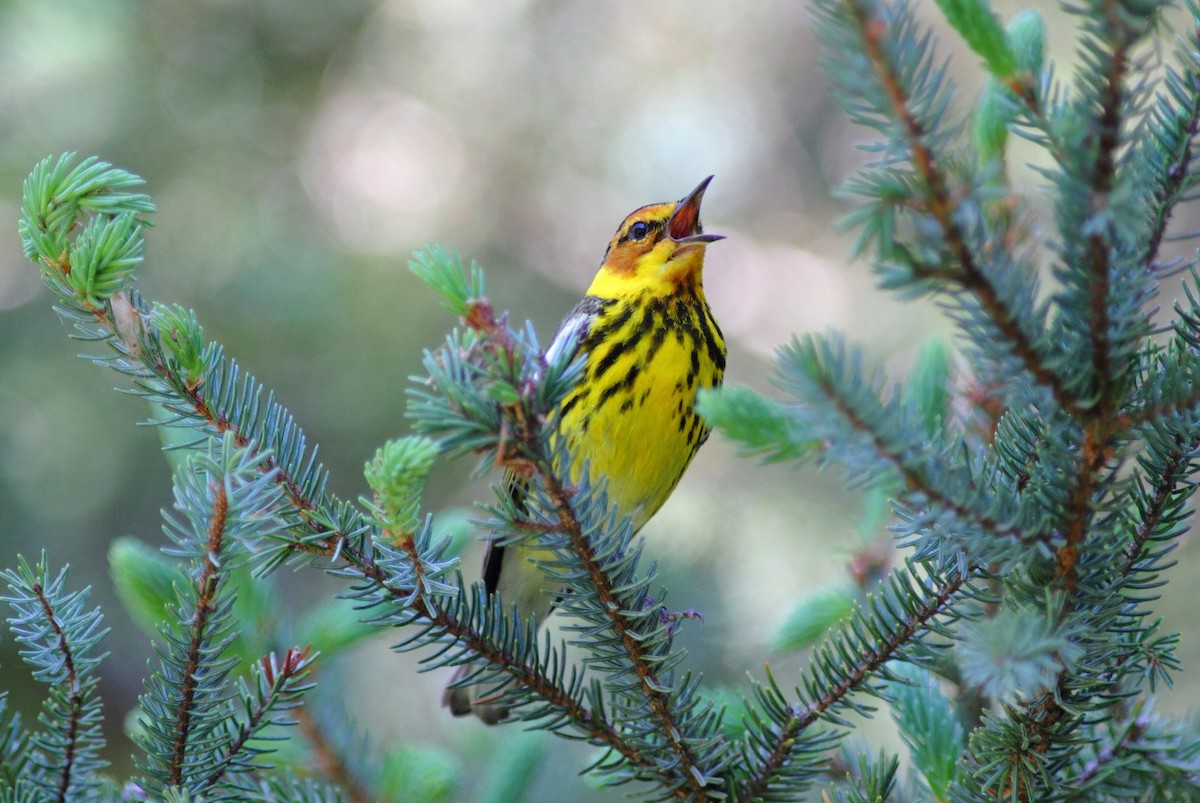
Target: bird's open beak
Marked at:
684, 225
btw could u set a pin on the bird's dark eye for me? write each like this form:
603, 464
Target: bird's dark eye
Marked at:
638, 231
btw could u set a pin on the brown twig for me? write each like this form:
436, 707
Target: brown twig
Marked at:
206, 592
943, 208
526, 452
914, 480
75, 696
1153, 513
329, 762
1098, 249
296, 662
693, 782
757, 785
1098, 421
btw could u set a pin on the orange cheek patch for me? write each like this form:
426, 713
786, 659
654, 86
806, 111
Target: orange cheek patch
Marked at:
622, 261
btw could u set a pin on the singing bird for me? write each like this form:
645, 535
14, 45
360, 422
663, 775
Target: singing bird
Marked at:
649, 342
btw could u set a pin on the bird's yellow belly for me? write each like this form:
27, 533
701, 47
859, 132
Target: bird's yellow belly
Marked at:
640, 440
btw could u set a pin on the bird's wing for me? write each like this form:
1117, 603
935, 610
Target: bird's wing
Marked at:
571, 332
574, 328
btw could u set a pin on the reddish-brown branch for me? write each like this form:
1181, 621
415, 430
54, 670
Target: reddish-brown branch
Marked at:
295, 662
529, 457
332, 542
1109, 125
1177, 173
688, 768
1153, 514
1100, 424
75, 696
943, 209
529, 677
914, 480
1078, 509
328, 762
759, 782
600, 731
335, 543
206, 592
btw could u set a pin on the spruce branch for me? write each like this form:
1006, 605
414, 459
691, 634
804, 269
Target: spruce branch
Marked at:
871, 436
279, 686
224, 506
1038, 542
692, 778
171, 363
1169, 143
1103, 214
1163, 513
852, 661
1169, 391
1078, 508
1136, 751
58, 637
1115, 65
75, 697
200, 636
329, 761
894, 97
1065, 468
465, 624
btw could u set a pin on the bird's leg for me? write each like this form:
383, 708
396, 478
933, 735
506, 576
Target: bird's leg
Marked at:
673, 619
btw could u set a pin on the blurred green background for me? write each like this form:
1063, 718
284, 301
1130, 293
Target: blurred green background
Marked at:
299, 151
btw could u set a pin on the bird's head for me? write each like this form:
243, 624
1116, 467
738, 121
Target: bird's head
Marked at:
658, 247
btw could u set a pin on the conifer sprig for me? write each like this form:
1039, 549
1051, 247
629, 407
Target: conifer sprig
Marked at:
191, 733
1165, 154
58, 635
1065, 630
891, 86
784, 753
842, 407
278, 688
164, 349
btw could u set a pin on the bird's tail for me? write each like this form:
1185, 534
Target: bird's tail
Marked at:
471, 699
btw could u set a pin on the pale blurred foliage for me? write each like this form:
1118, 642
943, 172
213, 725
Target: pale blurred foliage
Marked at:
299, 151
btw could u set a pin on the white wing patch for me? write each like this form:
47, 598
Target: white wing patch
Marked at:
572, 331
